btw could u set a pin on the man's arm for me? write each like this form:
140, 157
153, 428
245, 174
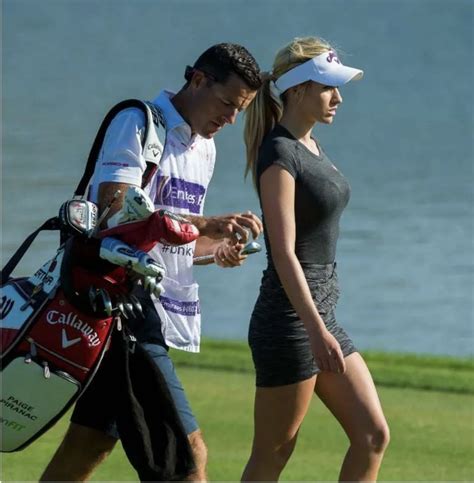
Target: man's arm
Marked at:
221, 236
107, 191
235, 227
206, 246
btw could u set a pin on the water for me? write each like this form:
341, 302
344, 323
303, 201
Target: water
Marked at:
403, 137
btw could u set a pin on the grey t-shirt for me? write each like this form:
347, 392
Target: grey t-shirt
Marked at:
321, 194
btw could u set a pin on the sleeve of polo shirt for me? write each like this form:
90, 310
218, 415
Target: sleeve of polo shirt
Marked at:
121, 158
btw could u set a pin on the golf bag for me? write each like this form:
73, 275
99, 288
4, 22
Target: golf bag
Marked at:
56, 325
51, 348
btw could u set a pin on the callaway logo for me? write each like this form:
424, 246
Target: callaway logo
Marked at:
6, 306
65, 342
54, 317
155, 149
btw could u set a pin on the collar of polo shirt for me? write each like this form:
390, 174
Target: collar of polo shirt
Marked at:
174, 120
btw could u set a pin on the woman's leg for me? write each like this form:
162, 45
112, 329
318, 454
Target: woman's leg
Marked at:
353, 400
278, 414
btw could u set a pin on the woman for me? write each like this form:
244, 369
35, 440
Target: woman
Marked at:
297, 346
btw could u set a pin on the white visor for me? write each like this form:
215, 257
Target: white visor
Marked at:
325, 69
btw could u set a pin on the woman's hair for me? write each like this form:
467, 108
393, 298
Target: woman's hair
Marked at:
266, 109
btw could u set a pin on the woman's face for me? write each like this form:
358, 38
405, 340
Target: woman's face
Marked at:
319, 102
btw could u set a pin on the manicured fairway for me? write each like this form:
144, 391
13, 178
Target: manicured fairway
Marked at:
432, 430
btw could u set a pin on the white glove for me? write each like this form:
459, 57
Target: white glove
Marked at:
149, 267
121, 254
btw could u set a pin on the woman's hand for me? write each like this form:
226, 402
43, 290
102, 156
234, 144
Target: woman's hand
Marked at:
227, 254
327, 351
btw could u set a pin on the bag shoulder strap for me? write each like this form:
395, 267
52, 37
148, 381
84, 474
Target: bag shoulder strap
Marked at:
160, 129
152, 114
51, 224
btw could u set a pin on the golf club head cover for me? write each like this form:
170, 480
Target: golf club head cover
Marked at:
119, 253
137, 205
161, 226
78, 216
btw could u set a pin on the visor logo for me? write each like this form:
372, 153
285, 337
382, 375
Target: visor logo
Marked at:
332, 57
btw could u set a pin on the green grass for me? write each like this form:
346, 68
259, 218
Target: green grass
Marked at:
432, 430
445, 374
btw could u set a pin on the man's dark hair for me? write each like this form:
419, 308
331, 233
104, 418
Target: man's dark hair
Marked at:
221, 60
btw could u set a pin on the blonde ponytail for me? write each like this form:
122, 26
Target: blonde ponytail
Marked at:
266, 109
260, 118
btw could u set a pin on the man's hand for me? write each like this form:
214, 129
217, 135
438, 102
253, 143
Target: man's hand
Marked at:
235, 226
227, 255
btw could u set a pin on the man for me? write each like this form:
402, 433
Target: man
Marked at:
222, 83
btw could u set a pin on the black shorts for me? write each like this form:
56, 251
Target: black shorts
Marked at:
278, 339
95, 407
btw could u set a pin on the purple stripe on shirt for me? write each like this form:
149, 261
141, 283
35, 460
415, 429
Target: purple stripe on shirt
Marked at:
179, 307
176, 192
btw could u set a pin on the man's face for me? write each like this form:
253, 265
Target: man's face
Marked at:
213, 105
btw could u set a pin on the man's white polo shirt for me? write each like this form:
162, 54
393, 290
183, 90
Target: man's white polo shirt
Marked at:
179, 185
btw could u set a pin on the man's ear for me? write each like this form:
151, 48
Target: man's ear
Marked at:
198, 79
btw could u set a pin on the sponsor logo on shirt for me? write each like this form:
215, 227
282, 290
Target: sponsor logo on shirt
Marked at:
187, 251
180, 307
178, 193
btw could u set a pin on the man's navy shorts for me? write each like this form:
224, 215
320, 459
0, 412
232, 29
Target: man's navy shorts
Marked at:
94, 409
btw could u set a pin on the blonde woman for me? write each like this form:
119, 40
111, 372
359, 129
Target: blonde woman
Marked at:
297, 345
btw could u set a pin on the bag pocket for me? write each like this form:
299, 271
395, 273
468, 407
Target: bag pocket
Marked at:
32, 400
